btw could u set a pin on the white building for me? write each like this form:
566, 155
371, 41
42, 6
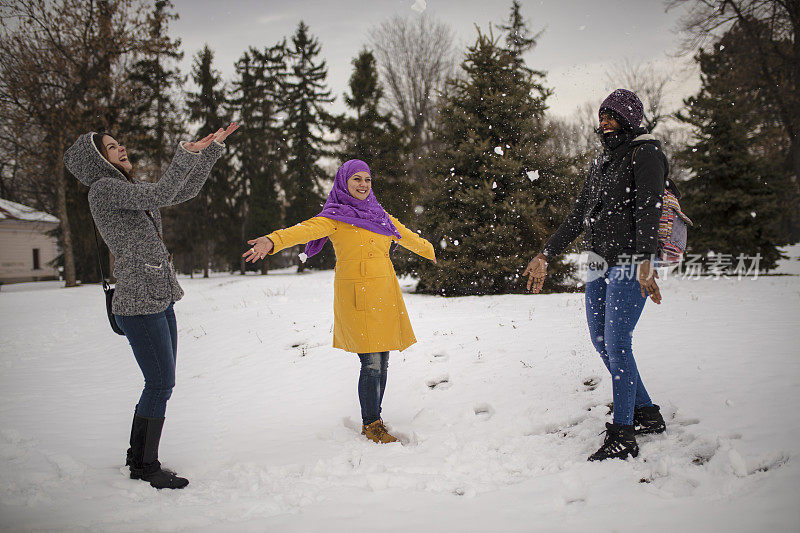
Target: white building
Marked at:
26, 250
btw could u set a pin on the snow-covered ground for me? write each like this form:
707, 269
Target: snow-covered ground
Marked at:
498, 405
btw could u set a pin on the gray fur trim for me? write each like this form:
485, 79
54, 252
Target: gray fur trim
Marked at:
645, 137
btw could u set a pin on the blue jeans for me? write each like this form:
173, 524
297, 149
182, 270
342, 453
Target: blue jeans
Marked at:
371, 384
614, 304
154, 339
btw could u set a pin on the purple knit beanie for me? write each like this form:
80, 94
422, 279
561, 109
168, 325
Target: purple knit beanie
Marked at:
626, 105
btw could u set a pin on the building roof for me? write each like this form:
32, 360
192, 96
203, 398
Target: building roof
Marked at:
15, 211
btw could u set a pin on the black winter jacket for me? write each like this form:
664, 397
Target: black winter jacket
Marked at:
619, 206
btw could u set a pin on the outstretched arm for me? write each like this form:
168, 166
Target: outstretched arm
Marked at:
308, 230
209, 154
413, 242
121, 194
567, 232
199, 174
572, 226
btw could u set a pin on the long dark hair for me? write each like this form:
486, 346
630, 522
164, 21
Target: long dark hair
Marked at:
97, 139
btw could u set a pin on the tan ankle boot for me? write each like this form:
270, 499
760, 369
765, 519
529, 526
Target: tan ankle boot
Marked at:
376, 432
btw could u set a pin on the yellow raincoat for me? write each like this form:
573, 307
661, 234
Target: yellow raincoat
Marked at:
369, 314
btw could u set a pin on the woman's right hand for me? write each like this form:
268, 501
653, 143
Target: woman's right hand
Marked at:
536, 272
222, 134
261, 247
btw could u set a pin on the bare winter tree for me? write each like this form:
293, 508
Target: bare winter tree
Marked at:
586, 121
648, 83
57, 72
772, 63
415, 56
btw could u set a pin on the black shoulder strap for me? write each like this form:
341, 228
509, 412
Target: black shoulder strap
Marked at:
99, 261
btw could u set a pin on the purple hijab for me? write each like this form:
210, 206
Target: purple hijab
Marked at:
342, 206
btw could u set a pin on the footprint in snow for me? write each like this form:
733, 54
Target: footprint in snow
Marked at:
484, 411
440, 357
441, 382
590, 383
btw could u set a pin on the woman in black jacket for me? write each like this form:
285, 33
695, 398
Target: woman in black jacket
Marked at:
619, 209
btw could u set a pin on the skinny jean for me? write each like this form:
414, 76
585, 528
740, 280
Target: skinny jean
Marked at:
371, 384
614, 304
154, 340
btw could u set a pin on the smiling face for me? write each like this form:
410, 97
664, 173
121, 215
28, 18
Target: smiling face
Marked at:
116, 153
359, 185
608, 124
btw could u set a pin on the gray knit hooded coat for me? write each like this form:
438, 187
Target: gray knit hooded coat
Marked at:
122, 210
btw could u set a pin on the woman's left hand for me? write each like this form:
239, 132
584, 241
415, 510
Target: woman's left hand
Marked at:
647, 276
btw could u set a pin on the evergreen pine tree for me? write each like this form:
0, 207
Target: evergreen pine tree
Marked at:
372, 137
497, 196
305, 96
209, 220
259, 148
731, 194
519, 39
153, 124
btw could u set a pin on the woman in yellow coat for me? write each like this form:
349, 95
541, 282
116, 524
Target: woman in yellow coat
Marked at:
369, 314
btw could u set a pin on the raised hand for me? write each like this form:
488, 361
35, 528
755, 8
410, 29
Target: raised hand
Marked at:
261, 247
536, 272
196, 146
221, 134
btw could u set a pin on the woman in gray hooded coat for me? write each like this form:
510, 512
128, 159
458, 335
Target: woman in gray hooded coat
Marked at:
126, 212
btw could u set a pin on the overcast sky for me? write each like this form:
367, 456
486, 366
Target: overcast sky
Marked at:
582, 39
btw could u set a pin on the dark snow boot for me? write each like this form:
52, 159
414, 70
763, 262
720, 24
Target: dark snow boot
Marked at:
129, 454
648, 420
620, 443
144, 465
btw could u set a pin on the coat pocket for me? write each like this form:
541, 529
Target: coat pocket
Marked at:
361, 296
154, 277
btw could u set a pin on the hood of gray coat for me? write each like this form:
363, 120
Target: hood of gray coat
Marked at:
86, 163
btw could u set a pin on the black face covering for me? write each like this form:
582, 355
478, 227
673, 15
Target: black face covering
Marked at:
612, 141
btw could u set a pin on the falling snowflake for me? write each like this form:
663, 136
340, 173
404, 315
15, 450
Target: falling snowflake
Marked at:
533, 175
498, 150
419, 6
494, 185
303, 257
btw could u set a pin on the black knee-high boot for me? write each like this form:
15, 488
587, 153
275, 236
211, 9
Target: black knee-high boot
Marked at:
145, 437
129, 454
